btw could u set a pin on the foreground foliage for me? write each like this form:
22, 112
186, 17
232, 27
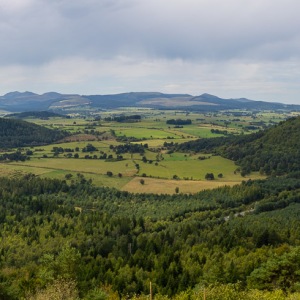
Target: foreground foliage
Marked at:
245, 236
62, 290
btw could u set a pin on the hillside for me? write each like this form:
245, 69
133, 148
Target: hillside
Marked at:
204, 102
28, 101
35, 114
273, 151
240, 103
135, 99
18, 133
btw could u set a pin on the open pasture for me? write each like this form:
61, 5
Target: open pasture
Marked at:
184, 167
93, 166
163, 186
199, 131
143, 131
17, 170
72, 125
189, 167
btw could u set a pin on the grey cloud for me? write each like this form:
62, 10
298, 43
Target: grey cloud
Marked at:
202, 30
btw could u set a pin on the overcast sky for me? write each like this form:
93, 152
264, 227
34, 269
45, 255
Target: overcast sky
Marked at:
232, 48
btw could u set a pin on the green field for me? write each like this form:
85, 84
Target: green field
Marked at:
91, 166
151, 130
165, 186
191, 168
187, 169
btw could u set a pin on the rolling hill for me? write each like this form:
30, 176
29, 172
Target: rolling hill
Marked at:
18, 133
273, 151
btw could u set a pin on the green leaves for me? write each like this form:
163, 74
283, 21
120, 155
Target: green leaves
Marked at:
65, 265
53, 233
280, 272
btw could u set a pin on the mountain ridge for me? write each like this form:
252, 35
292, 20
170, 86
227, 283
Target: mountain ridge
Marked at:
29, 101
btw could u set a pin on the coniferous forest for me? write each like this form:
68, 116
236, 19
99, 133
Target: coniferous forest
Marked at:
246, 236
73, 240
18, 133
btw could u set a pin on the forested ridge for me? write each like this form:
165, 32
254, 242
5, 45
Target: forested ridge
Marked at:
273, 151
105, 241
19, 133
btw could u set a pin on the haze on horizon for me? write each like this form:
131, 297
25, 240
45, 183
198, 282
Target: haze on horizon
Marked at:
230, 49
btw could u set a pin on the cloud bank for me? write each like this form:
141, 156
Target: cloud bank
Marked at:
228, 48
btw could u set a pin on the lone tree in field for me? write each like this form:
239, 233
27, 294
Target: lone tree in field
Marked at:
209, 176
142, 181
68, 176
177, 190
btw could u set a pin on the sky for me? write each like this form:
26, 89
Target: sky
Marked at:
231, 49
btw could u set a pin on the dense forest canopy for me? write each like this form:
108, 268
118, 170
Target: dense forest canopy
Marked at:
96, 237
273, 151
18, 133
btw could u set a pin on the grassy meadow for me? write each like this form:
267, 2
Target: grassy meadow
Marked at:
165, 186
160, 168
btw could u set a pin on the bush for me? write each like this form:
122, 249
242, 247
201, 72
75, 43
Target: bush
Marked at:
209, 176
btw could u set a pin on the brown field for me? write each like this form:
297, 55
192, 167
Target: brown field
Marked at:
80, 138
163, 186
9, 170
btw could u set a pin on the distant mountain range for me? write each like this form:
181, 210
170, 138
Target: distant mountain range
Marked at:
28, 101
